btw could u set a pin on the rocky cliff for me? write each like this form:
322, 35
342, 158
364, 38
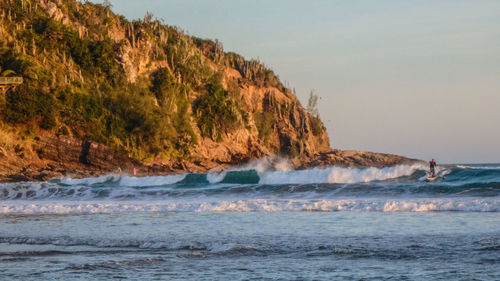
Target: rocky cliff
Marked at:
102, 92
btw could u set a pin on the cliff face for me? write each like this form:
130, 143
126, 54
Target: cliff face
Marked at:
290, 130
101, 91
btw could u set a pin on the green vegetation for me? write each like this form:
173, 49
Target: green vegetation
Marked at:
317, 126
265, 123
216, 113
77, 82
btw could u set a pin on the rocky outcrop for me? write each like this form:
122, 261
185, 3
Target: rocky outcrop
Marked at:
87, 154
55, 156
355, 158
271, 120
290, 132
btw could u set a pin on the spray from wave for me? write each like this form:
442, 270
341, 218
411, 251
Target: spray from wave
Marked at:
339, 175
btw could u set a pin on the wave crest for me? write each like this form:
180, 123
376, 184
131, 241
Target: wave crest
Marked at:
255, 205
339, 175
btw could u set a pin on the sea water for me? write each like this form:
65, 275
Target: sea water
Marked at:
254, 223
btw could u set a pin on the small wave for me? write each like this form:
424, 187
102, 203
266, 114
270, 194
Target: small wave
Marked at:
234, 249
123, 180
112, 264
88, 181
212, 247
254, 205
33, 191
194, 179
35, 253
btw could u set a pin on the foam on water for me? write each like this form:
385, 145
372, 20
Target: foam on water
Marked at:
216, 177
479, 167
261, 166
279, 173
338, 175
327, 183
253, 205
151, 181
90, 181
124, 180
181, 225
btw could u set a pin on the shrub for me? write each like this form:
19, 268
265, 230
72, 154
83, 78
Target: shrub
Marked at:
216, 112
317, 126
162, 85
24, 105
264, 121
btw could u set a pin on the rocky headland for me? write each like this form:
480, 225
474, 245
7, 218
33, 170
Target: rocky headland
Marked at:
102, 92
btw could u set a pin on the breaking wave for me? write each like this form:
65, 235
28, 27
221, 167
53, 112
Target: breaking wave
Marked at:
398, 188
256, 176
254, 205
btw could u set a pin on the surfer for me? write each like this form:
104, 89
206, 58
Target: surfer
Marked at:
432, 167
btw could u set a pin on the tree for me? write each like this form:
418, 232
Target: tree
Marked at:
312, 104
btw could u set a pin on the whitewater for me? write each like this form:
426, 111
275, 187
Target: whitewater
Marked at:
256, 222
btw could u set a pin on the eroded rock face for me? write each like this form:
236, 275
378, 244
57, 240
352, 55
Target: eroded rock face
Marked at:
81, 154
291, 134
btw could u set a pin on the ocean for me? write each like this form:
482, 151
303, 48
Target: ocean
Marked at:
256, 223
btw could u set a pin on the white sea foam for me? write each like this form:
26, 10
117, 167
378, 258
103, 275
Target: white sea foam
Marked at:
36, 190
441, 172
151, 181
271, 171
90, 181
478, 167
216, 177
263, 165
338, 175
124, 180
270, 163
253, 205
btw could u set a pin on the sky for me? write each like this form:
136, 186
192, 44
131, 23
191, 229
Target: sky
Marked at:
414, 78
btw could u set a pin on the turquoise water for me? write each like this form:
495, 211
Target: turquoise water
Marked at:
256, 224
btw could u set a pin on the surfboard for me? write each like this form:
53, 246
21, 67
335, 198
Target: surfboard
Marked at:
430, 179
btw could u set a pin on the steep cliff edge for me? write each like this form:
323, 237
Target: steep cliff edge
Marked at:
103, 92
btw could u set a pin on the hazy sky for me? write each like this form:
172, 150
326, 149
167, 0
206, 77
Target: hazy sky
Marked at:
416, 78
